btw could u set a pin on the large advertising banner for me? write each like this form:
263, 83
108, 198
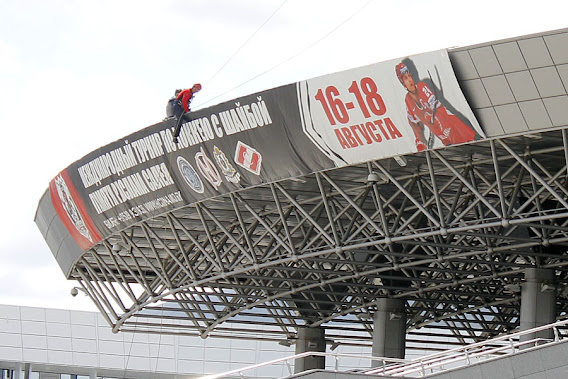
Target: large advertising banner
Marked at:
387, 109
368, 113
252, 140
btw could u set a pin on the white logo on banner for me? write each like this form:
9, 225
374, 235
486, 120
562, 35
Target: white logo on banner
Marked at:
71, 208
226, 167
208, 169
248, 158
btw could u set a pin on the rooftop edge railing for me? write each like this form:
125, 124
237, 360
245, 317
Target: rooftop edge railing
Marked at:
427, 365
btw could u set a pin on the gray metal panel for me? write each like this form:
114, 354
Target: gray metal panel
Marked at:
62, 245
498, 90
526, 364
557, 45
46, 220
510, 57
557, 373
535, 52
54, 236
489, 121
530, 75
485, 61
522, 85
554, 356
472, 372
556, 108
44, 217
535, 114
563, 72
511, 118
548, 81
475, 93
501, 369
463, 65
68, 253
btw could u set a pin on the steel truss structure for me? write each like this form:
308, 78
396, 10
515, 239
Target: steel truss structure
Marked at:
450, 231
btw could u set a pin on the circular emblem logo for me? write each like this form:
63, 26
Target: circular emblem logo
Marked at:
190, 175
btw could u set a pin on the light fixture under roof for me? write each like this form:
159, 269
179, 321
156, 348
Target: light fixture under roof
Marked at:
401, 160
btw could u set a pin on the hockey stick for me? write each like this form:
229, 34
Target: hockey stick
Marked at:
431, 136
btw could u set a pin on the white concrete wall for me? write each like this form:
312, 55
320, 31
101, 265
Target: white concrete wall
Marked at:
75, 341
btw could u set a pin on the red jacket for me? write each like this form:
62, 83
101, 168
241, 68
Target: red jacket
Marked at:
186, 95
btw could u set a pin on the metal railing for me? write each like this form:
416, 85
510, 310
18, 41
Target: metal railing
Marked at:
287, 361
466, 355
430, 364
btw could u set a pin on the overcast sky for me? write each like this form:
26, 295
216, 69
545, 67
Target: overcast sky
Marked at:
77, 75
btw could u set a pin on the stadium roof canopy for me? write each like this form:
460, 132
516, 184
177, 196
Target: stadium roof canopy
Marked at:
303, 204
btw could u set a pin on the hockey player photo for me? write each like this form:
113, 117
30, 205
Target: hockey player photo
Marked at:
425, 110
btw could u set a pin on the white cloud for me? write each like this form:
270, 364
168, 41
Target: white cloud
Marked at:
8, 58
40, 286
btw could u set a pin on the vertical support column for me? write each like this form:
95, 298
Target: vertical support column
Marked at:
538, 302
389, 330
310, 339
17, 372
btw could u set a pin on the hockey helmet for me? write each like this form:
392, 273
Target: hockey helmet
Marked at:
401, 69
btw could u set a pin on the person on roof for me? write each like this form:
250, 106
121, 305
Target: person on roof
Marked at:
174, 108
424, 110
183, 101
186, 95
